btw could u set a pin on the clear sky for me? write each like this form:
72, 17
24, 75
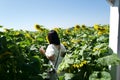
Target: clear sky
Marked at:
23, 14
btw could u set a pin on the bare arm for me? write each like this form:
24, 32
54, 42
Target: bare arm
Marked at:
42, 51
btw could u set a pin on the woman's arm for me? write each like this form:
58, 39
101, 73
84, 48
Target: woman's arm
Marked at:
42, 51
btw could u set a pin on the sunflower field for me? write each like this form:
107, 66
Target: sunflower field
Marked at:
88, 55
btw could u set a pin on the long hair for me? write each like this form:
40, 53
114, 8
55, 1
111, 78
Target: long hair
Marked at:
53, 37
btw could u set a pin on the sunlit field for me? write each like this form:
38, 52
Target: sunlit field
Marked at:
88, 55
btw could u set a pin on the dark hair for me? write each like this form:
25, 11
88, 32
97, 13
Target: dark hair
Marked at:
53, 37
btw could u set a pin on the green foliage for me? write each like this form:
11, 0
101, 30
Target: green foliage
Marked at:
88, 53
108, 60
20, 58
97, 75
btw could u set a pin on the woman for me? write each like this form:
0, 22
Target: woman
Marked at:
54, 52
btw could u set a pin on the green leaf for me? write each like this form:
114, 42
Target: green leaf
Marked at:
97, 75
68, 76
109, 60
1, 26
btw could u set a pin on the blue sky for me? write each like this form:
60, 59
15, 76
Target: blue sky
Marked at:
23, 14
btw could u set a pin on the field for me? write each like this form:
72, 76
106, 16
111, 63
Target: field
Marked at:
88, 53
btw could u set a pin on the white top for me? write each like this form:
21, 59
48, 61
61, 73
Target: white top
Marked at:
52, 50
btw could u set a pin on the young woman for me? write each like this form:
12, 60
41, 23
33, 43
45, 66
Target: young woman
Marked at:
54, 52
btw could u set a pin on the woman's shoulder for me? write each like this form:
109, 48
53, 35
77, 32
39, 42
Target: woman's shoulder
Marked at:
50, 46
61, 45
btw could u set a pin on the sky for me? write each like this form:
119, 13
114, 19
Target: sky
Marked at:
24, 14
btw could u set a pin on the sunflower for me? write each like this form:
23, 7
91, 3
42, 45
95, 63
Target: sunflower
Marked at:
75, 40
65, 44
77, 27
100, 32
84, 62
6, 30
17, 33
95, 49
67, 31
27, 35
96, 26
38, 27
56, 29
83, 26
81, 65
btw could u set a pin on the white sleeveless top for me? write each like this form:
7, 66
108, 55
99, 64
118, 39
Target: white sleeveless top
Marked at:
52, 50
